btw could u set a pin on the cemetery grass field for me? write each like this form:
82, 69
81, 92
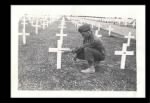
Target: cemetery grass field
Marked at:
37, 67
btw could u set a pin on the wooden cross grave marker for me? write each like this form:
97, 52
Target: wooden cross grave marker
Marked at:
24, 34
129, 36
96, 34
36, 26
99, 26
124, 53
59, 51
62, 25
109, 30
61, 30
45, 23
61, 34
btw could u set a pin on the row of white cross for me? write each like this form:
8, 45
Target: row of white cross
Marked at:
129, 37
37, 26
119, 21
124, 51
77, 24
45, 23
109, 30
98, 30
24, 30
59, 50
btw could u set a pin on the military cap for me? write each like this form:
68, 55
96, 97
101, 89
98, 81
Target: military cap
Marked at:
84, 28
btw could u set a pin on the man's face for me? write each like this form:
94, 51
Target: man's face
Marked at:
86, 34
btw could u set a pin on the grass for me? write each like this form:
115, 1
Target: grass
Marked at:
37, 67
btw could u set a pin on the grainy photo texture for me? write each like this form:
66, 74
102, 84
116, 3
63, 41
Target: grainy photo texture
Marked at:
75, 48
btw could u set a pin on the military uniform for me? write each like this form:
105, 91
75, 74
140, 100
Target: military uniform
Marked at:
92, 49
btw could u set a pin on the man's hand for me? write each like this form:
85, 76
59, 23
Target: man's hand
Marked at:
75, 50
68, 51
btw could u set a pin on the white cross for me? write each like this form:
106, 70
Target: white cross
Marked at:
99, 26
45, 23
36, 26
124, 52
129, 38
59, 51
110, 29
61, 34
62, 22
96, 34
61, 31
62, 25
24, 31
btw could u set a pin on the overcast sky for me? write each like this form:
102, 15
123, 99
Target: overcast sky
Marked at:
86, 10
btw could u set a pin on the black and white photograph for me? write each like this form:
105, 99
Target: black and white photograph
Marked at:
78, 51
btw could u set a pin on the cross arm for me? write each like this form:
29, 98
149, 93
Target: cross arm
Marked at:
53, 49
25, 33
118, 52
61, 34
56, 49
129, 36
